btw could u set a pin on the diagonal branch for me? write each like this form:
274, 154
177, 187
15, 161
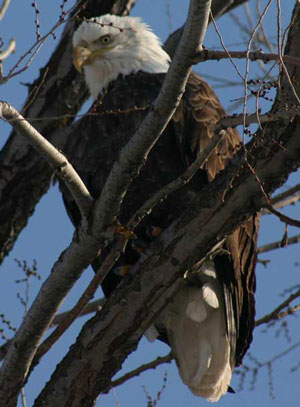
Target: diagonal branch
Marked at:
220, 207
58, 92
135, 152
276, 312
3, 8
85, 247
136, 372
284, 218
224, 204
9, 50
54, 158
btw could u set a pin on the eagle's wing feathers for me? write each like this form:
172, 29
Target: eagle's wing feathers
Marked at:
209, 322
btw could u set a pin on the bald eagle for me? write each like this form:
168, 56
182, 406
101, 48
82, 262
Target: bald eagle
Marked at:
209, 323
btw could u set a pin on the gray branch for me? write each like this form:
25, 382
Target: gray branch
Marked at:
53, 101
228, 201
236, 193
85, 247
208, 55
134, 153
54, 158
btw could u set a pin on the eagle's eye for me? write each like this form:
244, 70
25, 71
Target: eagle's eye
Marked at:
106, 39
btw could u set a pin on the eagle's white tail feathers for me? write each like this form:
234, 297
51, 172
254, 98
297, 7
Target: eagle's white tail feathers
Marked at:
195, 322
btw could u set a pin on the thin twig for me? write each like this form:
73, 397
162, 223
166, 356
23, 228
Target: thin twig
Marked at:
70, 316
9, 50
209, 55
279, 197
3, 8
274, 314
282, 217
179, 182
277, 245
134, 153
34, 49
136, 372
91, 307
237, 119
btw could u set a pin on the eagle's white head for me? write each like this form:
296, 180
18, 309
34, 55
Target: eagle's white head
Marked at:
109, 45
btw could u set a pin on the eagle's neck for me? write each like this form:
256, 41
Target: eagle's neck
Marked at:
103, 71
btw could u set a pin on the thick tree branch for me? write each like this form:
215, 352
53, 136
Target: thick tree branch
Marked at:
91, 307
58, 92
133, 155
232, 197
218, 8
224, 204
17, 363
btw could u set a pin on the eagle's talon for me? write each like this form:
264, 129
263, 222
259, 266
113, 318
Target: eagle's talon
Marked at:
124, 231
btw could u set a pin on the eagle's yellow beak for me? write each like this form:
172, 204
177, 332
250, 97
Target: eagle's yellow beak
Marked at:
81, 56
84, 56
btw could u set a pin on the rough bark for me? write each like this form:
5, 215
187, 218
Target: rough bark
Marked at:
240, 190
25, 178
218, 8
112, 334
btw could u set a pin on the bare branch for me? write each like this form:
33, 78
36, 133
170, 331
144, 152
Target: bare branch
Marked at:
136, 372
238, 119
91, 307
76, 311
57, 160
218, 8
147, 290
209, 55
9, 50
276, 312
4, 8
285, 219
49, 96
174, 185
132, 155
277, 245
280, 197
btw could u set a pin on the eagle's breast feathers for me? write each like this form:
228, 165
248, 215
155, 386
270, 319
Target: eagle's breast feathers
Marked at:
209, 323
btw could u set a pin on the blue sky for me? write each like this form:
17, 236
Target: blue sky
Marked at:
49, 230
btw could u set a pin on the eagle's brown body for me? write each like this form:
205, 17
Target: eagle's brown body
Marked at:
95, 147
